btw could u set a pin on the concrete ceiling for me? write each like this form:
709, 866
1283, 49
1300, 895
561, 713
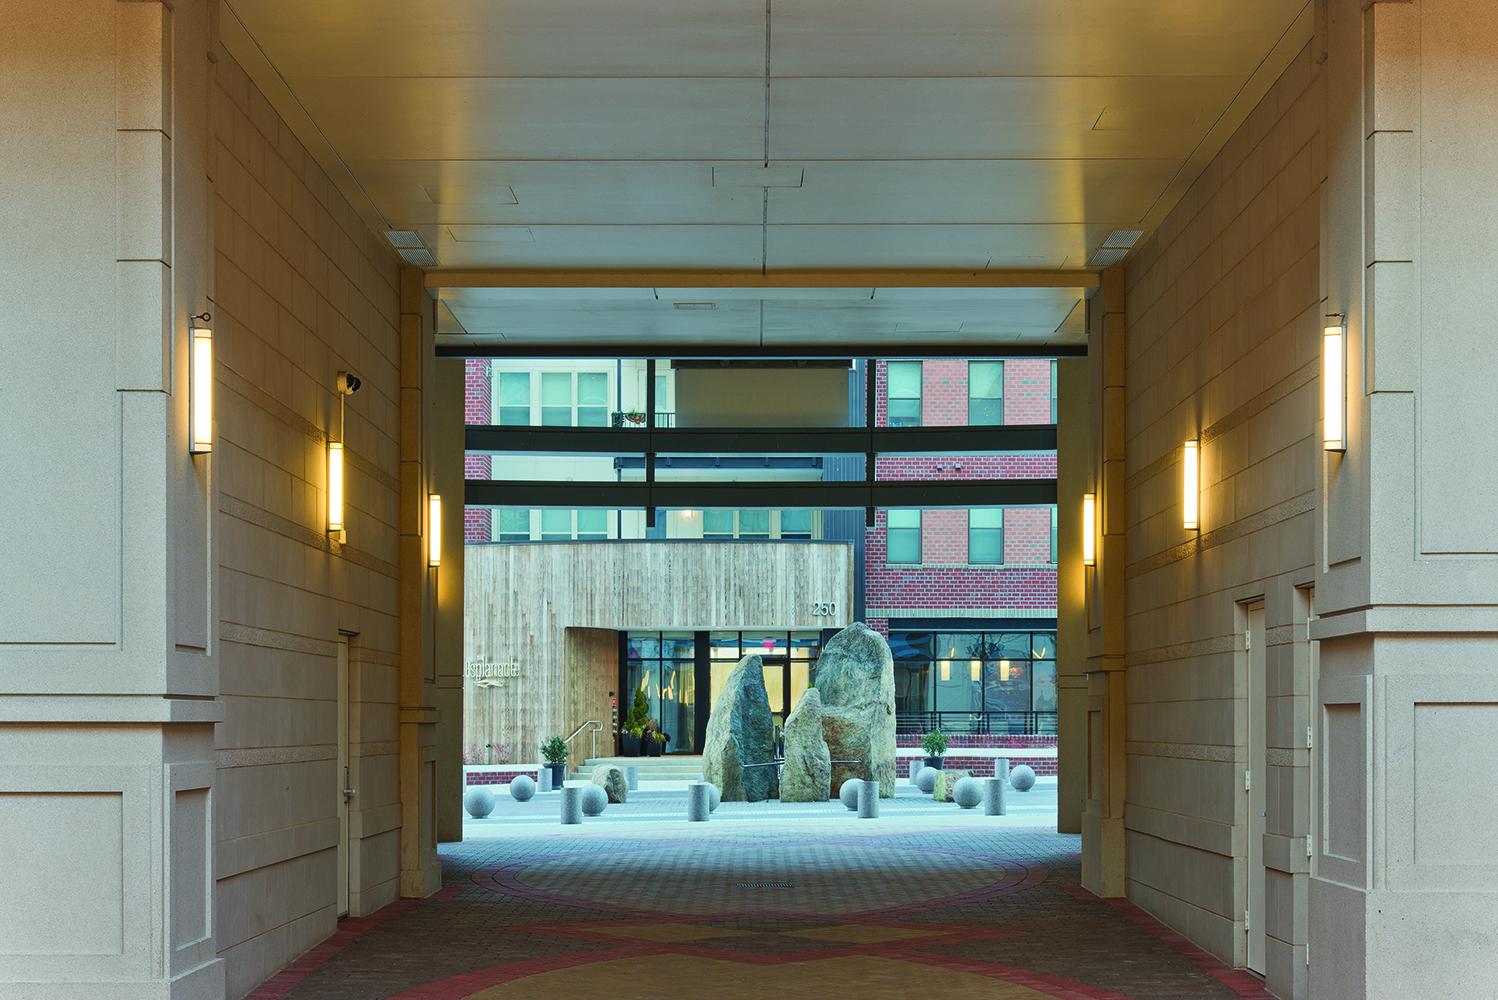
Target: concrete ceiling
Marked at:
861, 145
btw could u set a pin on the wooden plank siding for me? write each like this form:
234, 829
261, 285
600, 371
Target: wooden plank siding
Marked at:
519, 600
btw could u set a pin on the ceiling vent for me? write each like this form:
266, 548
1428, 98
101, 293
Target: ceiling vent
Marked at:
1115, 248
410, 247
419, 257
695, 305
400, 238
1123, 238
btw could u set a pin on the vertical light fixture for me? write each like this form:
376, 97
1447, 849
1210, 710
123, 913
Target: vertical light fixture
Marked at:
1334, 385
1004, 671
335, 486
1190, 486
434, 529
200, 390
1089, 529
946, 670
977, 666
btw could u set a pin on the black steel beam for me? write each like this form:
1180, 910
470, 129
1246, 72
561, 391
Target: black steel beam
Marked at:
799, 462
609, 441
655, 349
785, 495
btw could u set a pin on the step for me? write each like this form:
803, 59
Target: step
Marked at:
673, 768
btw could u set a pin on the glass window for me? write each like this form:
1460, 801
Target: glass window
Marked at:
1009, 645
1043, 685
556, 525
912, 687
754, 524
1053, 392
644, 646
959, 685
556, 399
717, 524
592, 399
765, 643
795, 524
661, 406
903, 535
514, 525
1006, 686
592, 525
904, 405
910, 645
1054, 557
723, 646
515, 397
985, 392
678, 645
1044, 645
985, 535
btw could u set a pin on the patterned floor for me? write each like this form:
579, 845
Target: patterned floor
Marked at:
799, 909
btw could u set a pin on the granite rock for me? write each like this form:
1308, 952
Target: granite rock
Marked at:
807, 774
945, 782
856, 681
611, 779
741, 731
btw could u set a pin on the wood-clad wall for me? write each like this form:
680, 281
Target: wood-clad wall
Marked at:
590, 670
519, 600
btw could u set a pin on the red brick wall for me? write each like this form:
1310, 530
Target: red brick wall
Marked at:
478, 408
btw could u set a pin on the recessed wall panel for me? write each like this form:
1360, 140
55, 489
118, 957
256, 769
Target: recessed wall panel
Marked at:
1456, 796
1344, 788
46, 912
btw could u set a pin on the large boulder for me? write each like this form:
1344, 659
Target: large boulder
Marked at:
856, 681
611, 779
807, 774
946, 781
740, 731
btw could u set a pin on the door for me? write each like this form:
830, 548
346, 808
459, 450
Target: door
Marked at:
345, 789
1255, 782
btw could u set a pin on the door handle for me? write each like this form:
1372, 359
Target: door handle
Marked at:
348, 793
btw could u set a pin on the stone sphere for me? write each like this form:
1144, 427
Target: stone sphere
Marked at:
522, 787
967, 793
849, 792
1022, 778
479, 802
925, 779
594, 799
713, 797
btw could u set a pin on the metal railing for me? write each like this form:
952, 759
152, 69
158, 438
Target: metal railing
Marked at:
597, 728
634, 418
985, 723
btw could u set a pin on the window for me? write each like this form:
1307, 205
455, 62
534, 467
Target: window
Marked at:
592, 399
592, 525
556, 399
795, 524
754, 524
1053, 395
515, 398
903, 532
556, 525
985, 535
590, 391
717, 524
985, 392
904, 394
514, 525
1054, 557
745, 524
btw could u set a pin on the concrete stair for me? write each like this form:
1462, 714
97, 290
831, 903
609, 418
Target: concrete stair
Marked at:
675, 767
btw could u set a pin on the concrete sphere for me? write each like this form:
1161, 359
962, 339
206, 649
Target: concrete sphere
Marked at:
594, 799
1022, 778
713, 797
479, 802
925, 779
522, 787
967, 792
849, 792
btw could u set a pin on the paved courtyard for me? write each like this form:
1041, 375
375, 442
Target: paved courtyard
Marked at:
764, 899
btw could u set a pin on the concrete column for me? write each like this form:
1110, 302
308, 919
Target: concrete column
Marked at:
1103, 868
993, 797
421, 872
1072, 436
1405, 820
699, 802
868, 800
449, 446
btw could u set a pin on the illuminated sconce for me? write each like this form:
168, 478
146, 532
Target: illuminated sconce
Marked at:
434, 529
946, 670
1334, 387
977, 670
335, 486
1089, 529
200, 390
1191, 485
686, 515
1004, 671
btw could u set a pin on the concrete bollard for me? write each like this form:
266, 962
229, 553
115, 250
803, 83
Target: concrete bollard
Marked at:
868, 800
699, 802
631, 777
543, 779
1001, 768
915, 768
993, 797
572, 804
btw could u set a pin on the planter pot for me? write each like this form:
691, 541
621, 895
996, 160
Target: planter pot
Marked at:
629, 745
935, 762
558, 772
655, 748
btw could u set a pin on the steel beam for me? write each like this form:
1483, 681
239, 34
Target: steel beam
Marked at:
782, 494
614, 441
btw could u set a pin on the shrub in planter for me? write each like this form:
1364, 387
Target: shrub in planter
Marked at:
934, 744
554, 749
629, 743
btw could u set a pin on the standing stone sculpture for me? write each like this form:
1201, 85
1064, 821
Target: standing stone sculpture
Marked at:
611, 779
807, 775
740, 731
856, 681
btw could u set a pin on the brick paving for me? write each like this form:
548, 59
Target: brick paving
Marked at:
890, 910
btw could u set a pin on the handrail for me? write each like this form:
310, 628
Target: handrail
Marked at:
598, 728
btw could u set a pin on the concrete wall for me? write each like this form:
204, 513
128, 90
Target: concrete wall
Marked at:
1223, 339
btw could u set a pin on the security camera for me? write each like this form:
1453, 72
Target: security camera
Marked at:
348, 383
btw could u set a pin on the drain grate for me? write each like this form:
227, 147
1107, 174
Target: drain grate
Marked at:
763, 885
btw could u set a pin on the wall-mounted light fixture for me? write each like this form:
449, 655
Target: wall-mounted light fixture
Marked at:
200, 388
1190, 486
335, 487
1089, 529
686, 515
434, 529
1334, 384
977, 666
1004, 671
946, 670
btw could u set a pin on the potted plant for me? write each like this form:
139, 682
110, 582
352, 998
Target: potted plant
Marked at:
635, 725
629, 741
935, 746
554, 749
657, 743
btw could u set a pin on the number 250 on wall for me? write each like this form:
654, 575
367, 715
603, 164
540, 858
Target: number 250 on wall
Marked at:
824, 609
